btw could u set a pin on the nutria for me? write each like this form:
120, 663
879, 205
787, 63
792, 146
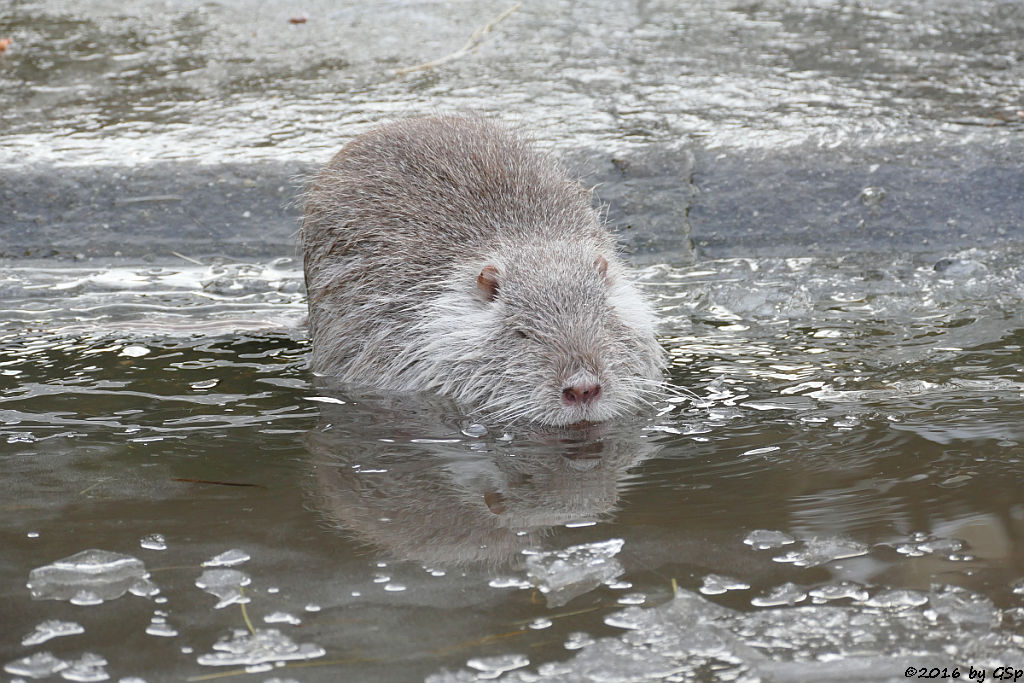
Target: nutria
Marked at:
445, 254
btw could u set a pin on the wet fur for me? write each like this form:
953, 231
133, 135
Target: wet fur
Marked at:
398, 228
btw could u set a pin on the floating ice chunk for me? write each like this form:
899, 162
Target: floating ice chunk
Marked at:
1018, 588
134, 351
90, 668
765, 539
819, 551
508, 582
540, 623
839, 591
39, 665
228, 558
492, 667
87, 578
562, 575
54, 628
265, 645
225, 584
578, 640
953, 267
632, 599
144, 588
943, 547
962, 606
715, 584
786, 594
153, 542
897, 599
85, 598
689, 636
282, 618
159, 627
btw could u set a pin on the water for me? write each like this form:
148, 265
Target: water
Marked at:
833, 494
837, 490
128, 82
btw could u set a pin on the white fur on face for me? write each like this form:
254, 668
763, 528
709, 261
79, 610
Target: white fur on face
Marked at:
515, 355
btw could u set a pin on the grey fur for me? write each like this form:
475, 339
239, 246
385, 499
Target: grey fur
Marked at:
398, 226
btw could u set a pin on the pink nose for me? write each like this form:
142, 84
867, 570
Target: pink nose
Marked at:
581, 394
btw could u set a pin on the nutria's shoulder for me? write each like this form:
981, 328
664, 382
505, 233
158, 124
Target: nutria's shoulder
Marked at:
452, 176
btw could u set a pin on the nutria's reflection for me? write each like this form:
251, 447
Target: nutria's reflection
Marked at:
402, 475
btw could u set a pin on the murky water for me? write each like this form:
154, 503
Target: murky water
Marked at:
835, 491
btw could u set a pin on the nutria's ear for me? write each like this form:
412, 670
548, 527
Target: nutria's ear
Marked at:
487, 282
601, 263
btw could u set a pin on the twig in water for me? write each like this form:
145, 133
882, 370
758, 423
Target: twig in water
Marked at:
245, 613
473, 41
188, 258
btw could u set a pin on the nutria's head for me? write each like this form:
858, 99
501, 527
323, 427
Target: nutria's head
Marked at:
551, 333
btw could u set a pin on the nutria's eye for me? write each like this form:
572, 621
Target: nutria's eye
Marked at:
521, 334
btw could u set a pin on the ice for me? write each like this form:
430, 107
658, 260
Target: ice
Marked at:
282, 618
578, 640
632, 599
87, 578
786, 594
153, 542
562, 575
541, 623
766, 539
85, 598
87, 669
492, 667
691, 638
54, 628
39, 665
228, 558
144, 588
897, 599
243, 648
225, 584
962, 606
839, 591
921, 545
159, 627
819, 551
715, 584
508, 582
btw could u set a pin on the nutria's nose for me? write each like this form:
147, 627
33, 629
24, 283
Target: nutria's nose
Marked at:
581, 394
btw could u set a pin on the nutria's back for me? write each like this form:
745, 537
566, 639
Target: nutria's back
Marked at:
445, 254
